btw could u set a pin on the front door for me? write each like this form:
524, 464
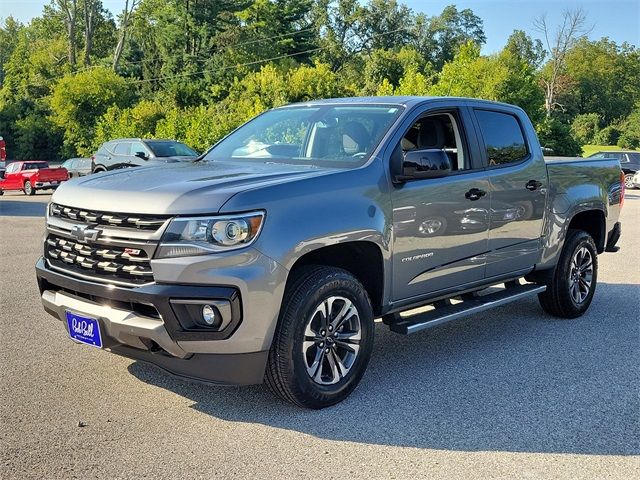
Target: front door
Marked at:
440, 225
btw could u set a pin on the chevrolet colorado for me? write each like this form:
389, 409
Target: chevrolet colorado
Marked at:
268, 258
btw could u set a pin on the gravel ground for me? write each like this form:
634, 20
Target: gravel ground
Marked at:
512, 393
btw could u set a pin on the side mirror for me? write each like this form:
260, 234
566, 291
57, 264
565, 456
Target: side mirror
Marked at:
419, 164
142, 155
2, 173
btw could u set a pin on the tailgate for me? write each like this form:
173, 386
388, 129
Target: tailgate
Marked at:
52, 174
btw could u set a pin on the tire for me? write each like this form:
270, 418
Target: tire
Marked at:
628, 181
28, 188
570, 290
303, 366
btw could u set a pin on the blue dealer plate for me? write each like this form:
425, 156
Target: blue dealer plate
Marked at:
84, 329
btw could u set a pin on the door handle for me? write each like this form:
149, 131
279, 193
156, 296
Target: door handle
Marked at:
533, 185
474, 194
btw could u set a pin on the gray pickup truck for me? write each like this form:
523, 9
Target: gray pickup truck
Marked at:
268, 258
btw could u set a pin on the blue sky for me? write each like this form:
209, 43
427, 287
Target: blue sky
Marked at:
617, 19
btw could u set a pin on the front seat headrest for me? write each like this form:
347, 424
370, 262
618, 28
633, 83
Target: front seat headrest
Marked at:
431, 134
355, 138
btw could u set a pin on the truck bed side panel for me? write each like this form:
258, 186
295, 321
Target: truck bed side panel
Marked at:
578, 185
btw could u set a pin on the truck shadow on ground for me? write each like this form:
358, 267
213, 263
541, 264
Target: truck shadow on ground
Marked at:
14, 208
512, 380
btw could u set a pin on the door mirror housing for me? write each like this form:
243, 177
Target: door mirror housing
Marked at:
419, 164
142, 155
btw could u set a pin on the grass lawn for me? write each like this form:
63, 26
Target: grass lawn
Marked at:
589, 149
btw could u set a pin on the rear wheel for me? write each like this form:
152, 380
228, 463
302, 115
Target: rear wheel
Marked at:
28, 188
323, 340
571, 288
628, 181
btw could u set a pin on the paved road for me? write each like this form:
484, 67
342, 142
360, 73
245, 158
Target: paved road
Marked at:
512, 393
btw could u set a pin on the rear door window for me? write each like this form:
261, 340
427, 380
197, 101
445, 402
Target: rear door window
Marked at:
122, 148
503, 137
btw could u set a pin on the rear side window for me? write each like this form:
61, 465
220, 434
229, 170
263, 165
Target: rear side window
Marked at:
122, 148
503, 137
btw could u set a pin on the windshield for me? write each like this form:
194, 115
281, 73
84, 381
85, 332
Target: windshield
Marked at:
327, 135
170, 149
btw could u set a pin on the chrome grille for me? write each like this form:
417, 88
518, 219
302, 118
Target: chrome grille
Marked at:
110, 263
140, 222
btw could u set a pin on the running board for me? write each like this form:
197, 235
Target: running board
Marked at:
445, 311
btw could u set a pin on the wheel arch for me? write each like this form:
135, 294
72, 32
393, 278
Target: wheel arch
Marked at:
594, 223
363, 259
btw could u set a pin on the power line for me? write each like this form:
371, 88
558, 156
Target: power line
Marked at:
255, 62
201, 55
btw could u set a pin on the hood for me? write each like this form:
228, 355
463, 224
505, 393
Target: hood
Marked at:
172, 159
177, 188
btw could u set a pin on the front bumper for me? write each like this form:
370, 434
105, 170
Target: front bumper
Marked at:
141, 323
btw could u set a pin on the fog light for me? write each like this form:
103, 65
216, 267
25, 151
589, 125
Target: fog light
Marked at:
209, 315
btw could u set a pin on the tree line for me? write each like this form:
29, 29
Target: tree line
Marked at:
193, 70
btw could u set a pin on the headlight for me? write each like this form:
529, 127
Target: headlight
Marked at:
205, 235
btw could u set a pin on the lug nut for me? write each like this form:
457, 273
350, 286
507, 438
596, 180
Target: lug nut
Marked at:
321, 344
327, 350
331, 328
322, 332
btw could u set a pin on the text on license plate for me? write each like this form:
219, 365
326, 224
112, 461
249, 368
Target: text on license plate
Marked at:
84, 329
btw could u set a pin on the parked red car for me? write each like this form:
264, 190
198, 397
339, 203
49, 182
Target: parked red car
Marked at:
31, 176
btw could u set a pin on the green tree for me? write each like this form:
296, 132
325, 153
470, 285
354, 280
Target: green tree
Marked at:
605, 78
439, 38
556, 135
470, 75
630, 137
80, 99
8, 41
522, 57
585, 127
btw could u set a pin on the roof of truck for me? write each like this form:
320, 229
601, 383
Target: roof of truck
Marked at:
405, 100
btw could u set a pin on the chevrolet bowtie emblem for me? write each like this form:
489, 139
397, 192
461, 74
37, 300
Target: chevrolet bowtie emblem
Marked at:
83, 233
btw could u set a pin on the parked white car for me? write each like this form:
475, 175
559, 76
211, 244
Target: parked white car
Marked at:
636, 180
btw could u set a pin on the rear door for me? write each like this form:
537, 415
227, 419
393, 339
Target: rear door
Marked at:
440, 228
517, 174
122, 155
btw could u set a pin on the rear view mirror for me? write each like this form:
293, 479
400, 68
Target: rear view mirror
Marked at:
419, 164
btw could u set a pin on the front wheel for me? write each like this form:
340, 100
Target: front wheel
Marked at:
28, 188
323, 340
571, 289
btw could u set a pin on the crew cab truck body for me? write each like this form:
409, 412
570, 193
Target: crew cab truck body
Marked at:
31, 176
269, 258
